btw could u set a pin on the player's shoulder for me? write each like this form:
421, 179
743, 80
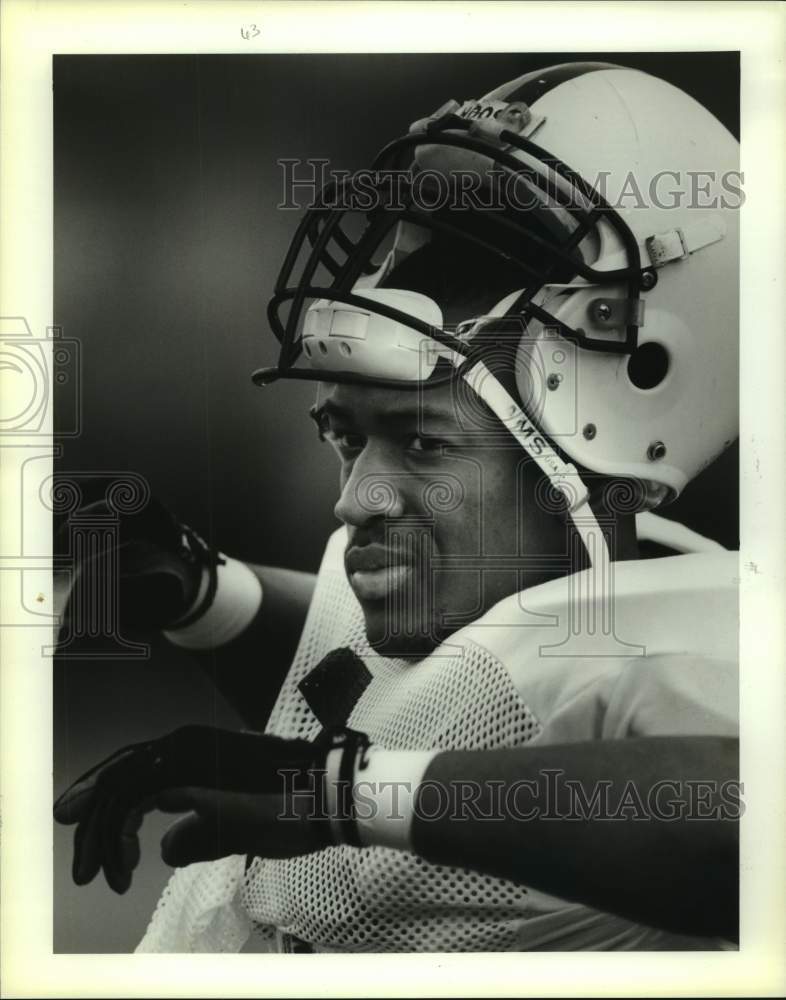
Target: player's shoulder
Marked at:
569, 644
646, 594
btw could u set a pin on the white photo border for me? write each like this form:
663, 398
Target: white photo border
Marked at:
31, 33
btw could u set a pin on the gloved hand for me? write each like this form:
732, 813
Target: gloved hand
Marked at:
159, 562
232, 781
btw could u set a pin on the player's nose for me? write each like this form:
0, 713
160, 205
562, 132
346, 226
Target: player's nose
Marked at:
372, 490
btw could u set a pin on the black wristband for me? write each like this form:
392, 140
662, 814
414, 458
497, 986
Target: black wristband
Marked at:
194, 547
352, 744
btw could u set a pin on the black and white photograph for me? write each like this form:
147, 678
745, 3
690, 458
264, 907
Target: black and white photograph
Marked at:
390, 457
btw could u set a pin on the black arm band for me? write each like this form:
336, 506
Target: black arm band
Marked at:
196, 549
352, 744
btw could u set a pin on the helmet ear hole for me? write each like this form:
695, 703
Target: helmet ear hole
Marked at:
648, 365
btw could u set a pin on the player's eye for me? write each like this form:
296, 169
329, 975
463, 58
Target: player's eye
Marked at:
420, 443
346, 443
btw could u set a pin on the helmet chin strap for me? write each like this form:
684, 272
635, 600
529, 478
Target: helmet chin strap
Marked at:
563, 476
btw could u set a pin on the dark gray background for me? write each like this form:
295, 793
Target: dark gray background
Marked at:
167, 243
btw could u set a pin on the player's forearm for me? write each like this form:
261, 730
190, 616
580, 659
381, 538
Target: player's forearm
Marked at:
643, 828
248, 652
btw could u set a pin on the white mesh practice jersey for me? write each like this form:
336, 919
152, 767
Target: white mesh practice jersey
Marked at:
553, 664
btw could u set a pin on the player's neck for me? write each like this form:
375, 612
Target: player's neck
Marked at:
625, 543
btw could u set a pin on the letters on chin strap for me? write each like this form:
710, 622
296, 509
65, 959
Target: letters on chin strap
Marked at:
563, 476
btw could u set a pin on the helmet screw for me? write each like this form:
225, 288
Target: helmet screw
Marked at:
656, 450
553, 381
602, 311
589, 432
649, 279
517, 114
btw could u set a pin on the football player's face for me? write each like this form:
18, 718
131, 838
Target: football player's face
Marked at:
440, 507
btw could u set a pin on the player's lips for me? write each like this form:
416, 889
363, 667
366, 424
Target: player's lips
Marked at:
373, 572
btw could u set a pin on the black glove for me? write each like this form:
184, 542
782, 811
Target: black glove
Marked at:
159, 563
226, 777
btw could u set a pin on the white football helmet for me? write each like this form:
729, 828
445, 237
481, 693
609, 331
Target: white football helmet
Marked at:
601, 203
